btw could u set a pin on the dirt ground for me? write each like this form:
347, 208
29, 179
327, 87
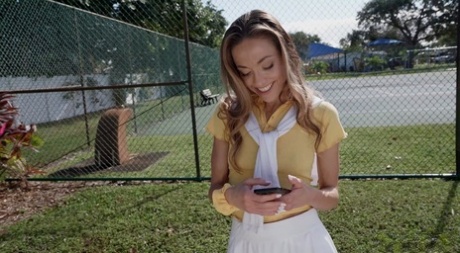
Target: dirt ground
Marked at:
18, 201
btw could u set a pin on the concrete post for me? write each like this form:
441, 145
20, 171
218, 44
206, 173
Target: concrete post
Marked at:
111, 147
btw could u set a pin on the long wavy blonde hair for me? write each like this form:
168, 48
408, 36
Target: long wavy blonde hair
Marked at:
238, 102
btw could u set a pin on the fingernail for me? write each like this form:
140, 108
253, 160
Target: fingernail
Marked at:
291, 177
281, 208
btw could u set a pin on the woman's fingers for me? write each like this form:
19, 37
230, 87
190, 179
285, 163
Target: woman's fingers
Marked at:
256, 181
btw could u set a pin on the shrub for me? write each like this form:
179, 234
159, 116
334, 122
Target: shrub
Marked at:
375, 63
14, 136
320, 67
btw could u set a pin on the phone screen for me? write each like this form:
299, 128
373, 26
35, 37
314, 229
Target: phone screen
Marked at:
273, 190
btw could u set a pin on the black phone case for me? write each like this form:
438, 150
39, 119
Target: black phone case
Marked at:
273, 190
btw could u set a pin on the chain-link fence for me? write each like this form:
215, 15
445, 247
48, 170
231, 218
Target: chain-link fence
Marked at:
114, 87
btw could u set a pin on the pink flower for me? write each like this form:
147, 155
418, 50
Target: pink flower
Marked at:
2, 129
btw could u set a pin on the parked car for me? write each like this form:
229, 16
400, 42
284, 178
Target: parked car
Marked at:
444, 57
395, 62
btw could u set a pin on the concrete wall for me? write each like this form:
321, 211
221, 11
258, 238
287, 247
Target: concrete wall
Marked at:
52, 106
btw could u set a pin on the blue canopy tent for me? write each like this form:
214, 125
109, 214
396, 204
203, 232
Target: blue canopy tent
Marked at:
318, 49
391, 47
322, 52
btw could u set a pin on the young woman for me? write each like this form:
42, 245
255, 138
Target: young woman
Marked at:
270, 131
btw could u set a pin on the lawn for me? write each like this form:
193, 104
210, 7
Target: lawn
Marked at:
373, 216
411, 215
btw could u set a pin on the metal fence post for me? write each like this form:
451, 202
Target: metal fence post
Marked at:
190, 88
457, 108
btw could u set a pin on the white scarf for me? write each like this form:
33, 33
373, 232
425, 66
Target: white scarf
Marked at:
266, 166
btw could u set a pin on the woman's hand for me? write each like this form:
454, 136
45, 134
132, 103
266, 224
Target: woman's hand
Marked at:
300, 194
243, 197
324, 198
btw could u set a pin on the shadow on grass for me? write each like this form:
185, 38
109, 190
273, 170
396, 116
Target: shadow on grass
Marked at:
151, 198
77, 171
44, 230
136, 163
443, 217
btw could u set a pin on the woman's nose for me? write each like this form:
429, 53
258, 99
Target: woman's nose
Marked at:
258, 79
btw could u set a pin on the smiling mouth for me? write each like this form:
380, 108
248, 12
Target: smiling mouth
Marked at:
266, 88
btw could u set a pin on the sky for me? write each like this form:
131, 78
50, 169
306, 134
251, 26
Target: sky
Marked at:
331, 20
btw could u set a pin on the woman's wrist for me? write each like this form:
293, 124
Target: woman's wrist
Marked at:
226, 190
324, 199
220, 200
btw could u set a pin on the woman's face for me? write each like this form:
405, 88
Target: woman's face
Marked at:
261, 68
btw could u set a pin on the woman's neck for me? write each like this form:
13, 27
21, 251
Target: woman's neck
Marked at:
270, 108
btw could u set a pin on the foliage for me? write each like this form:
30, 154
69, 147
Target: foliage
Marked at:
357, 40
163, 16
375, 62
354, 42
33, 40
413, 20
446, 29
302, 41
53, 40
320, 67
13, 137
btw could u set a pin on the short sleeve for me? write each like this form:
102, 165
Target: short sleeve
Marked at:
217, 126
331, 127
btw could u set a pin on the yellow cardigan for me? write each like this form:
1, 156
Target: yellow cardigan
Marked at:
295, 151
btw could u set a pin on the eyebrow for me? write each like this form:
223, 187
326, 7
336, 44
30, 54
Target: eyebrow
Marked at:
258, 62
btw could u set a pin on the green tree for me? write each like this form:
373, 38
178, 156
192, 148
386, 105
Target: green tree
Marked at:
375, 62
355, 41
414, 20
207, 25
302, 41
446, 29
31, 38
319, 67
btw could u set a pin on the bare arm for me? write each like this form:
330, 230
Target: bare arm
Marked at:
219, 165
326, 196
328, 179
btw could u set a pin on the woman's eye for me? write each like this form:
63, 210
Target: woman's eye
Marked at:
244, 74
269, 67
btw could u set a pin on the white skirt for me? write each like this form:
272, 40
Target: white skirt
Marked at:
303, 233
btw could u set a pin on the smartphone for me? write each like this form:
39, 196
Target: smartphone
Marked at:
272, 190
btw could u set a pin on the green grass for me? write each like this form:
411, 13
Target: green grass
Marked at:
424, 149
67, 136
373, 216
